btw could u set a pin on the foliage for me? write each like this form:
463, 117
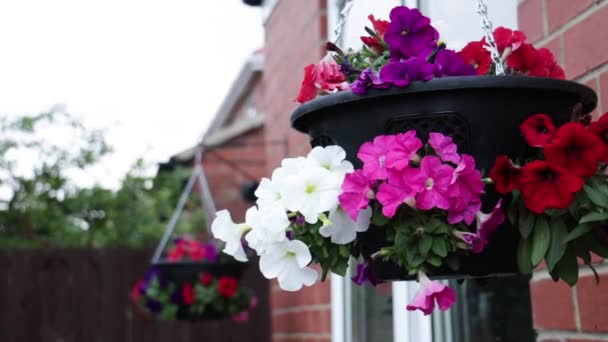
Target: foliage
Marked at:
45, 207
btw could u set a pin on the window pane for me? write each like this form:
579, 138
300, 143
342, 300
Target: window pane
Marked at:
372, 313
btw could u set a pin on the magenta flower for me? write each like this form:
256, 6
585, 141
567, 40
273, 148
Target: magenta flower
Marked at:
466, 185
410, 33
431, 181
356, 193
405, 148
368, 78
373, 156
466, 214
401, 73
393, 193
429, 293
488, 223
364, 274
450, 63
444, 147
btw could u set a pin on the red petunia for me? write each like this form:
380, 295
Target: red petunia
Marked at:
380, 26
308, 90
505, 175
552, 69
227, 286
576, 149
507, 38
188, 294
177, 253
206, 279
546, 186
528, 61
137, 291
538, 130
600, 128
475, 54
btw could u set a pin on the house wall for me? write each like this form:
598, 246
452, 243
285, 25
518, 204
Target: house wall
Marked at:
295, 34
575, 30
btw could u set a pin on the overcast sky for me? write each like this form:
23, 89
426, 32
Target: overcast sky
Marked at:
151, 71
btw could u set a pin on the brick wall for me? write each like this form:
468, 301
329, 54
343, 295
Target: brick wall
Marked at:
295, 33
576, 31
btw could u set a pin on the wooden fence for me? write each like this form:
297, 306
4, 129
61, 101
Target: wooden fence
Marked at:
82, 295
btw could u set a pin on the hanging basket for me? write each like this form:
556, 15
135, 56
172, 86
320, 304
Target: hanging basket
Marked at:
481, 113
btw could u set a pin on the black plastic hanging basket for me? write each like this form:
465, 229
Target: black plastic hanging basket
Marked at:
481, 113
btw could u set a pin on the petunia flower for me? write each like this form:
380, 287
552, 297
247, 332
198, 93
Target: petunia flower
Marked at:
444, 147
464, 214
331, 158
404, 150
373, 155
538, 130
368, 78
487, 225
137, 291
410, 33
343, 229
552, 69
227, 286
449, 63
392, 194
375, 42
287, 261
365, 274
356, 193
548, 186
431, 181
505, 175
600, 128
224, 229
529, 61
507, 39
187, 294
576, 149
311, 192
268, 225
308, 89
429, 293
477, 56
400, 73
268, 193
466, 185
324, 77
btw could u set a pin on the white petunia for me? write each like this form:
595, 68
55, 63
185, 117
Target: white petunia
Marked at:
343, 229
288, 262
223, 228
268, 194
330, 158
268, 225
311, 192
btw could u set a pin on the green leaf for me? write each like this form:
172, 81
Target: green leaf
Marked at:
379, 219
596, 196
417, 260
453, 262
527, 221
340, 268
556, 248
434, 260
594, 217
541, 237
344, 251
425, 244
567, 268
577, 232
440, 247
513, 207
598, 247
524, 249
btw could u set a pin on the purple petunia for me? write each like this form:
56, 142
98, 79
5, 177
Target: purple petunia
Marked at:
410, 34
449, 63
368, 78
364, 274
401, 73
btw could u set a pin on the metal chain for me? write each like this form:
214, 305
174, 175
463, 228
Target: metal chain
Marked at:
486, 25
339, 29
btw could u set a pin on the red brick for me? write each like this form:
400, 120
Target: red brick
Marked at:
603, 95
559, 12
584, 340
552, 305
583, 44
593, 303
531, 19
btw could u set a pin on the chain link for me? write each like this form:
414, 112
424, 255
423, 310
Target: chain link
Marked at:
486, 25
339, 29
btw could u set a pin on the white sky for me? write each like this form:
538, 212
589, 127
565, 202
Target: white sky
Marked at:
153, 72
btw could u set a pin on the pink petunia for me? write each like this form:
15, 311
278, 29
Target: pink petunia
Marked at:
466, 187
373, 155
444, 147
466, 214
404, 150
356, 193
429, 293
431, 181
488, 223
393, 193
